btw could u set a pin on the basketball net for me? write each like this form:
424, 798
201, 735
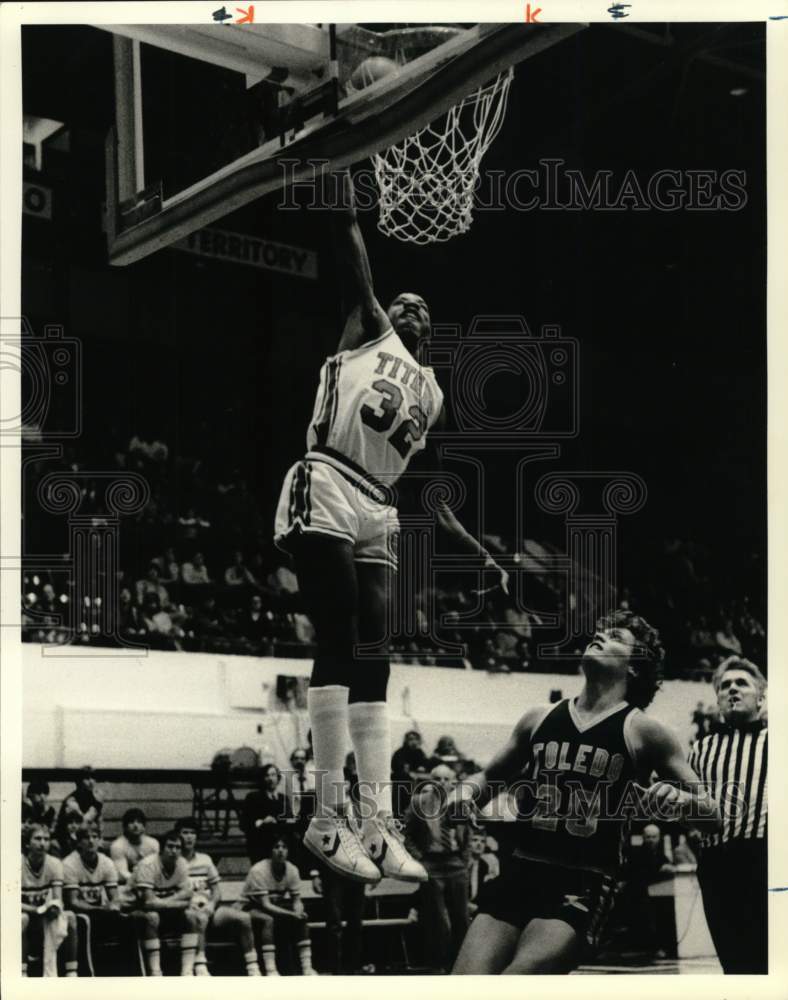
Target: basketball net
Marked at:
427, 181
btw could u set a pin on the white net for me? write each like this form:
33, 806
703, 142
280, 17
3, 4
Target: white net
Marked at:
427, 181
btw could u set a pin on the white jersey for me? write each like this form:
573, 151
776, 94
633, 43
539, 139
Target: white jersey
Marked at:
373, 409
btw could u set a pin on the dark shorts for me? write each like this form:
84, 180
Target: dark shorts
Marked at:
526, 890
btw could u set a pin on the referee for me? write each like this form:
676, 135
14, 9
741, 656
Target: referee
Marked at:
732, 865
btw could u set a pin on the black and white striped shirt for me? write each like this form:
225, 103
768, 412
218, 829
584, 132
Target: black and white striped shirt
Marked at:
732, 763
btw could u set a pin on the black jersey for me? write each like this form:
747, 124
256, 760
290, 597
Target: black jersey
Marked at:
573, 787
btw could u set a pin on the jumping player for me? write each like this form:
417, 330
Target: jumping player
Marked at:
374, 407
583, 764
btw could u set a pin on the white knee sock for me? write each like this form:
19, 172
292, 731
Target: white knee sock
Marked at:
188, 953
250, 960
369, 731
328, 713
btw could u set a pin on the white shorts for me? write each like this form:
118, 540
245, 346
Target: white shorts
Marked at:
318, 498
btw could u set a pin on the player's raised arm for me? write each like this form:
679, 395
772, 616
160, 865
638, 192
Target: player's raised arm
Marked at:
679, 792
449, 523
484, 786
366, 319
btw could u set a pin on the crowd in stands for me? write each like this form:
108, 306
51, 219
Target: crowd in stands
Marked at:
199, 572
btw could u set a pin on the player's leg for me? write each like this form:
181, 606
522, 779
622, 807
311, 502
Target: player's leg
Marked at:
70, 944
487, 948
327, 582
200, 959
328, 585
546, 947
304, 945
146, 923
263, 929
238, 924
25, 925
369, 725
192, 923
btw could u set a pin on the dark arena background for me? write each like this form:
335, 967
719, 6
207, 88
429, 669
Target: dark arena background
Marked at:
166, 642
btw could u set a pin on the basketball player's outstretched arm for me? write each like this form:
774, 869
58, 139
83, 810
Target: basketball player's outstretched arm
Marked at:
448, 522
366, 320
678, 792
480, 788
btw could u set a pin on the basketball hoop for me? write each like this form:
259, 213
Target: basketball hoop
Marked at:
427, 181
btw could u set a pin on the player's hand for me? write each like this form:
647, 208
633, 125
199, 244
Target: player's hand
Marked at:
114, 906
665, 801
496, 573
317, 885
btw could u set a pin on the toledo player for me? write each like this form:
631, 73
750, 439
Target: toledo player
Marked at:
207, 896
374, 407
583, 762
42, 897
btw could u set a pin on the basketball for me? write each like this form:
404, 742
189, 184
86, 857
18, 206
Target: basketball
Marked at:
372, 69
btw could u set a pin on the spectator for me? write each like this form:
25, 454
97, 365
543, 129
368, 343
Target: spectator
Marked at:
66, 834
191, 525
299, 784
161, 882
157, 622
442, 847
262, 810
169, 570
254, 623
205, 882
152, 585
132, 845
648, 863
283, 585
84, 800
129, 619
195, 573
408, 765
699, 720
209, 620
237, 575
43, 916
482, 867
272, 892
727, 640
446, 752
34, 805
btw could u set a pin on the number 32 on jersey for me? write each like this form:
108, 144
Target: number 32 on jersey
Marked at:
382, 419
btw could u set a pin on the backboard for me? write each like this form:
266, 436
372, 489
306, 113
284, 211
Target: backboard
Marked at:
274, 98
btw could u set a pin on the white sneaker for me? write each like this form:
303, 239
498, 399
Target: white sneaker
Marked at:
333, 838
201, 969
384, 843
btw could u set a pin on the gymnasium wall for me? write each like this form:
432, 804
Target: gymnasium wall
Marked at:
177, 710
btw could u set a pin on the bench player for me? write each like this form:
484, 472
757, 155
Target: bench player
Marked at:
90, 888
42, 897
374, 407
132, 845
207, 897
581, 760
164, 890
